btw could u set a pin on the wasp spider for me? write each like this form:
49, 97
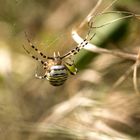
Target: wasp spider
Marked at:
57, 69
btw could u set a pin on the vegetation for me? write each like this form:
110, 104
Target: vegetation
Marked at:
101, 102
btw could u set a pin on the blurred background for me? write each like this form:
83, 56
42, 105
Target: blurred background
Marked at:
90, 105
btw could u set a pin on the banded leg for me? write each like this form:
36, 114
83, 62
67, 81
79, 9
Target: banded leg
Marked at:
79, 46
36, 58
40, 77
45, 65
71, 67
32, 46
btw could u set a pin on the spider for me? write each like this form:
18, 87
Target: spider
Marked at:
56, 68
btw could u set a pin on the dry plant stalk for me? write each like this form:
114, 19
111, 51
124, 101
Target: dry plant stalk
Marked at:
136, 65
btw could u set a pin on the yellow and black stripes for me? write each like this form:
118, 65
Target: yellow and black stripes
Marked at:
57, 75
34, 57
76, 50
32, 46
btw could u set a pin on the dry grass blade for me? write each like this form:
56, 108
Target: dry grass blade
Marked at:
123, 77
136, 65
90, 14
54, 123
95, 49
93, 14
63, 109
109, 6
129, 15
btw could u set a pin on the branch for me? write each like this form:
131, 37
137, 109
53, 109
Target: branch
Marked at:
95, 49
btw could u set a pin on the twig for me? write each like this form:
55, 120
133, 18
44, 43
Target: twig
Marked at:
95, 49
91, 19
92, 13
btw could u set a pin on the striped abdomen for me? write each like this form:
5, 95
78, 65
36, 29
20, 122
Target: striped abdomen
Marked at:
58, 75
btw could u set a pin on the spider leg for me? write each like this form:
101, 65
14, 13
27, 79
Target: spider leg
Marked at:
71, 67
32, 46
36, 58
79, 46
40, 77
